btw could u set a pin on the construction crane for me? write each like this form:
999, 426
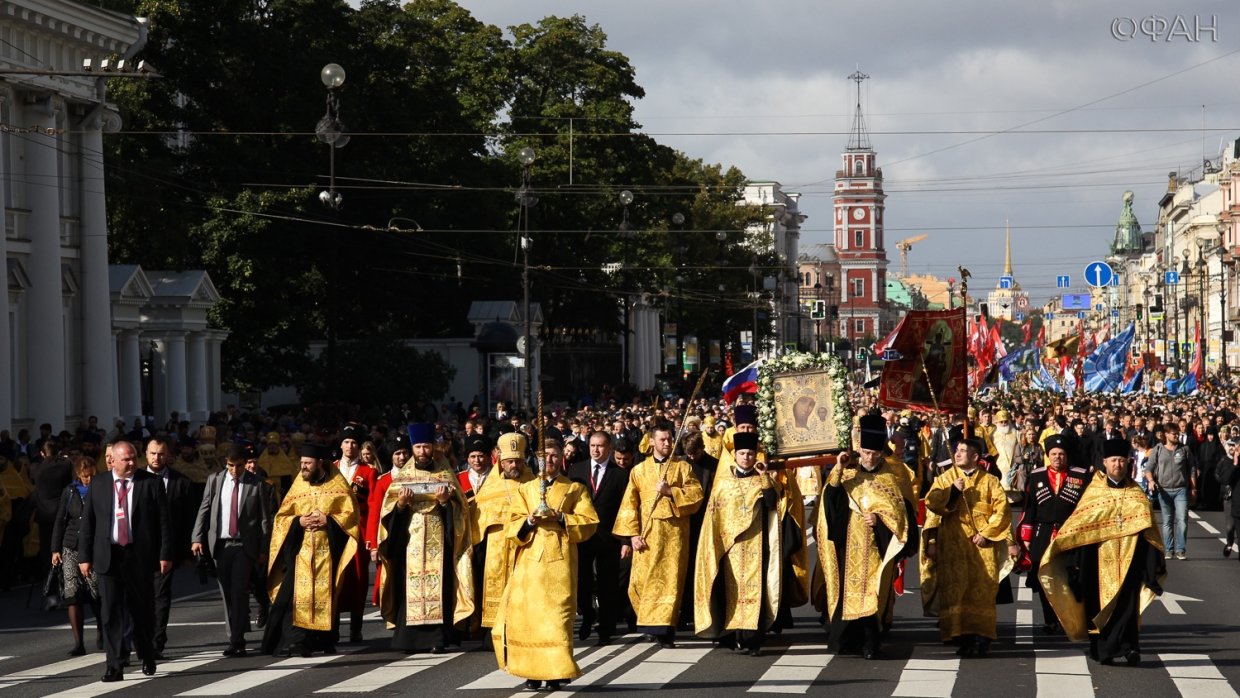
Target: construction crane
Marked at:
904, 246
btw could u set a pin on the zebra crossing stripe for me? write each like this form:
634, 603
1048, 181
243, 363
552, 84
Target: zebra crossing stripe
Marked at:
1195, 675
167, 668
664, 666
795, 670
593, 677
928, 678
254, 678
1063, 673
388, 674
500, 679
49, 671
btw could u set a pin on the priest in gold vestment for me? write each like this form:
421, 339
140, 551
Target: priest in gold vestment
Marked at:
654, 519
866, 525
494, 509
314, 537
965, 553
424, 547
738, 585
1107, 562
533, 633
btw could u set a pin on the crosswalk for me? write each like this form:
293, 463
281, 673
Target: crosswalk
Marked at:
796, 663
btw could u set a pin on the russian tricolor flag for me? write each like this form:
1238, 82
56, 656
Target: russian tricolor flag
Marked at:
743, 382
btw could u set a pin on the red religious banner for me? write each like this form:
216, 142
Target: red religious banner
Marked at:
925, 362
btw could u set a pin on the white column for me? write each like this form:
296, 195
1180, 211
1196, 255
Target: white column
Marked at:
176, 379
199, 376
130, 376
100, 392
217, 376
45, 347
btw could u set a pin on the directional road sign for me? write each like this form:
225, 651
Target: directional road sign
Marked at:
1063, 281
1050, 316
1020, 317
1005, 282
1115, 312
1080, 315
1099, 274
1100, 307
1171, 278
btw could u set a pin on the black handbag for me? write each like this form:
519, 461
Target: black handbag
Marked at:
54, 589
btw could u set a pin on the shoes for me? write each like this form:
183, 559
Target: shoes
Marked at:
666, 643
755, 651
297, 650
982, 649
871, 654
438, 649
148, 666
1181, 556
1133, 657
112, 675
554, 685
532, 685
584, 631
1227, 550
77, 651
603, 641
235, 651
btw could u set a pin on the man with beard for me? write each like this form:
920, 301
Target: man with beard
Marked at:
661, 496
361, 479
533, 634
1051, 495
965, 545
737, 590
1106, 565
867, 525
494, 510
424, 539
182, 508
599, 557
1005, 438
314, 538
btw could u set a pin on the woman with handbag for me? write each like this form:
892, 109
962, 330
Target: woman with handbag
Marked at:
77, 590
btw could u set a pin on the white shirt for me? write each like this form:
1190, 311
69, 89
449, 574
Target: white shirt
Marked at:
226, 505
476, 479
348, 470
116, 508
597, 480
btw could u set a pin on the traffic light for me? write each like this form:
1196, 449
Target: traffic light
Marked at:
835, 312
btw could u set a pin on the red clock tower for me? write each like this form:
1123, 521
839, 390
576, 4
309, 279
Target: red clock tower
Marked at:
858, 202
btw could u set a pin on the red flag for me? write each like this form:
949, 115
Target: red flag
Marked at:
926, 369
1042, 335
996, 349
1197, 368
1027, 331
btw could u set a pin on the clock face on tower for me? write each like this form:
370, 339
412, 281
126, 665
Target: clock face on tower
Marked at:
858, 213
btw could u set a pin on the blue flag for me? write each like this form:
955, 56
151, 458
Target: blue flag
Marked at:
1104, 367
1133, 385
1043, 380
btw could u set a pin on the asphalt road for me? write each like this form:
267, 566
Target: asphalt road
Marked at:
1191, 647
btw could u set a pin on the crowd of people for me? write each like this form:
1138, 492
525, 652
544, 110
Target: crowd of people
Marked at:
654, 516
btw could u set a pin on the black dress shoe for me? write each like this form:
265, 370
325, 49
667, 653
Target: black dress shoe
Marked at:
554, 685
148, 666
872, 654
666, 643
603, 641
1133, 657
235, 651
112, 675
532, 685
755, 651
438, 649
77, 651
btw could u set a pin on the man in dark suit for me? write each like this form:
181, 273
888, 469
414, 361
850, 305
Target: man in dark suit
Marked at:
125, 536
234, 520
598, 566
181, 508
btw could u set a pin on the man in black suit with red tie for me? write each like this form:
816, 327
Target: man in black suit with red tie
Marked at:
598, 559
126, 536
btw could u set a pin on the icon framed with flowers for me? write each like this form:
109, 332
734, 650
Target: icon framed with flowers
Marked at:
803, 406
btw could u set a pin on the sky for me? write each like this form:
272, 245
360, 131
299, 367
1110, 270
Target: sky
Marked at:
982, 112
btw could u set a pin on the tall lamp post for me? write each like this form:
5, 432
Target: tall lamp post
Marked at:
330, 130
678, 220
833, 312
626, 234
1185, 273
525, 198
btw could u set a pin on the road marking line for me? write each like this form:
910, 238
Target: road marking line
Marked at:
1193, 514
51, 670
500, 679
591, 678
254, 678
1063, 672
1209, 529
664, 666
795, 670
1024, 593
388, 674
1195, 675
1024, 626
928, 678
167, 668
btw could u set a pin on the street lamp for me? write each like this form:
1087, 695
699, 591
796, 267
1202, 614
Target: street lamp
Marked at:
1185, 273
626, 233
753, 273
525, 198
330, 130
678, 220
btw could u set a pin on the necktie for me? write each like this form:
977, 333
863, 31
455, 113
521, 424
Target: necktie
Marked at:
598, 467
232, 514
122, 527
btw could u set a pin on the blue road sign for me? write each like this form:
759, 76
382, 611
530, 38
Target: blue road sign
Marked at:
1005, 282
1020, 317
1063, 281
1099, 307
1098, 274
1080, 315
1171, 278
1050, 316
1115, 312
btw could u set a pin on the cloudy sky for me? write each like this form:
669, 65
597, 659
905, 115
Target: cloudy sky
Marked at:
980, 111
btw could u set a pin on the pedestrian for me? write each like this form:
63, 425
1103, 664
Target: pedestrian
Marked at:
598, 572
1171, 477
182, 506
361, 479
233, 526
126, 535
78, 590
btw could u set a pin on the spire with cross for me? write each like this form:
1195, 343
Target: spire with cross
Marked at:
859, 139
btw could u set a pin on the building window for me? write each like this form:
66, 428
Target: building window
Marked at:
858, 167
858, 238
859, 326
858, 288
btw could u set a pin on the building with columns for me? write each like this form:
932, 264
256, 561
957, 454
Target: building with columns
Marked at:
858, 204
779, 232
